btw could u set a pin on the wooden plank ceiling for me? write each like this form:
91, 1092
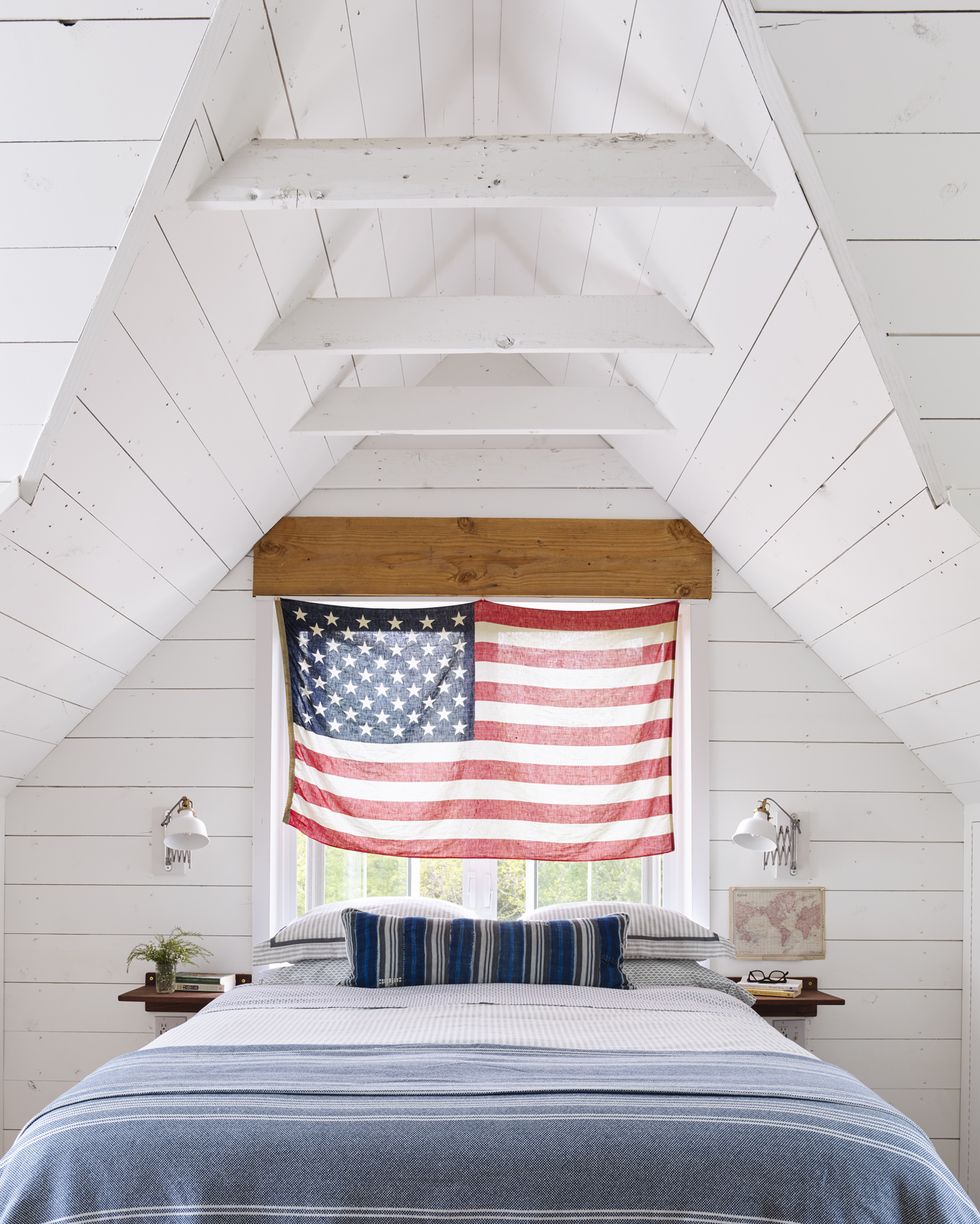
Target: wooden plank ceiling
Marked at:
173, 448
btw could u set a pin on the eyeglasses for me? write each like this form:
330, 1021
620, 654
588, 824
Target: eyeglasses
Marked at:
774, 975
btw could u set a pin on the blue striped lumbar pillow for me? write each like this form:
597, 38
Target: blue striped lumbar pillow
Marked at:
395, 950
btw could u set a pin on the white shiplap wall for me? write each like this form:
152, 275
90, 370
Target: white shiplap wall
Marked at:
886, 837
82, 881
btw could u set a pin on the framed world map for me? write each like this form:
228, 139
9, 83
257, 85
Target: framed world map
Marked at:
778, 923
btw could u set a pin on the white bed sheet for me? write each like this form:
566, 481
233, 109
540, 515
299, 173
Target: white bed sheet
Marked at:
551, 1017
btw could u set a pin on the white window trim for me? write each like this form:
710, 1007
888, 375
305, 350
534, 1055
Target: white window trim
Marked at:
685, 878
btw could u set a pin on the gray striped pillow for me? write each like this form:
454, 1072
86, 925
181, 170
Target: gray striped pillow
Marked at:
655, 933
389, 950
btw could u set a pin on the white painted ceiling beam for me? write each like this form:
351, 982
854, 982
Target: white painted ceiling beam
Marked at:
537, 324
484, 172
480, 411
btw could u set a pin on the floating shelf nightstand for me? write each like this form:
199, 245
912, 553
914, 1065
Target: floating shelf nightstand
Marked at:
803, 1007
181, 1002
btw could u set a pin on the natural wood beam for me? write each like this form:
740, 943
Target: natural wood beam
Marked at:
540, 324
482, 411
504, 557
484, 172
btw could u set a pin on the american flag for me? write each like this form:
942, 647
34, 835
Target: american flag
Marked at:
481, 730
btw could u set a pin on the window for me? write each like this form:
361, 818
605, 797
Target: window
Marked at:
293, 874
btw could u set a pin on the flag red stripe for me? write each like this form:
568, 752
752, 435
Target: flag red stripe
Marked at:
587, 622
529, 656
577, 698
525, 733
465, 847
483, 809
484, 771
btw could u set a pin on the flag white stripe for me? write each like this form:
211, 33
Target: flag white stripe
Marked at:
574, 677
446, 829
485, 750
396, 792
573, 639
568, 716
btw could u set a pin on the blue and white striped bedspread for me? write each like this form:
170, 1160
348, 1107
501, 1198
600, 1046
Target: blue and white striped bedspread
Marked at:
453, 1135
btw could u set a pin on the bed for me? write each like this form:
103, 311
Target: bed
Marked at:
500, 1103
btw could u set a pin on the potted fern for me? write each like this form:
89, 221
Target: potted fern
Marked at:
166, 952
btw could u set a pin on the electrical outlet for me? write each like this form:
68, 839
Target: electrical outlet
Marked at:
164, 1023
794, 1029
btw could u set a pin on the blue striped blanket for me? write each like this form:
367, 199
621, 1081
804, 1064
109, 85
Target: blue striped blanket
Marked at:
452, 1135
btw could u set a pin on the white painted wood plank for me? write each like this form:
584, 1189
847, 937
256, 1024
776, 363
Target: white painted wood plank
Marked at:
481, 411
590, 65
22, 1099
122, 393
817, 766
102, 861
956, 445
147, 762
905, 1065
17, 444
575, 467
941, 600
808, 325
29, 712
60, 532
102, 958
744, 617
941, 665
190, 665
222, 614
769, 667
20, 753
49, 1057
875, 56
88, 464
943, 373
158, 310
313, 38
845, 816
619, 170
75, 1008
955, 715
385, 40
911, 541
873, 964
168, 713
29, 658
843, 407
29, 312
922, 288
118, 811
139, 65
956, 762
38, 596
879, 478
492, 503
910, 1014
881, 914
239, 578
948, 1151
793, 717
761, 248
488, 441
724, 578
861, 6
31, 375
104, 10
217, 256
902, 185
485, 325
98, 909
46, 205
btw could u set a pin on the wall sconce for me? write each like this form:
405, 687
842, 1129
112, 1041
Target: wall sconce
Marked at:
183, 831
778, 841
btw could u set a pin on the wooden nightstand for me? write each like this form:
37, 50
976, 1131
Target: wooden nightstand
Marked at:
802, 1007
181, 1002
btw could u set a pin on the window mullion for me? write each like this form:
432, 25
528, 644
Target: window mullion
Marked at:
480, 886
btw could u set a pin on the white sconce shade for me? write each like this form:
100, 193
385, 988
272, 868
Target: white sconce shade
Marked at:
756, 832
186, 831
183, 831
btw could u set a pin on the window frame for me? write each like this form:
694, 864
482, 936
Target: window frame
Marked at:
684, 873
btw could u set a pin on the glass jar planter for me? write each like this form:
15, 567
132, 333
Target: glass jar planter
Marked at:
166, 978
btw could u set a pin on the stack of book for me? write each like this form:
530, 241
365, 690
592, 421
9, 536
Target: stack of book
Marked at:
789, 989
211, 983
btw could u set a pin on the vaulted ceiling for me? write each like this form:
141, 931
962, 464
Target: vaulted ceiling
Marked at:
170, 447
